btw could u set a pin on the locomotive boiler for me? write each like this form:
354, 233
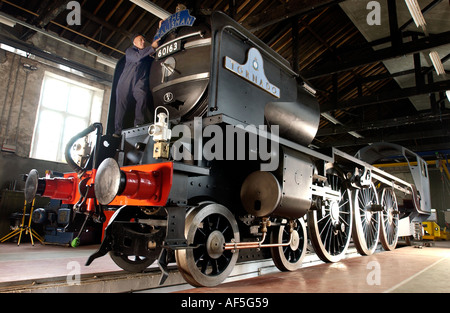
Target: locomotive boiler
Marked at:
223, 172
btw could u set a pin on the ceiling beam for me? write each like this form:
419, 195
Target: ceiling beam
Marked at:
285, 11
388, 96
393, 122
95, 74
362, 59
395, 137
46, 13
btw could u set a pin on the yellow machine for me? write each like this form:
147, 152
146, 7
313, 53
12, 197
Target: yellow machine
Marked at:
432, 231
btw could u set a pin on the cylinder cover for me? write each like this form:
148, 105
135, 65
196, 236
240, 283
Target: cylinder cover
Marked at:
260, 193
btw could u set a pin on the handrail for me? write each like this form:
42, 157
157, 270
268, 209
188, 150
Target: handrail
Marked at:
79, 170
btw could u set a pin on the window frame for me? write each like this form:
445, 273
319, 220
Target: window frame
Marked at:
96, 98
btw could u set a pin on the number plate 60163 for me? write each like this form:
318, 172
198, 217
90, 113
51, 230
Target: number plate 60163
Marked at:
169, 49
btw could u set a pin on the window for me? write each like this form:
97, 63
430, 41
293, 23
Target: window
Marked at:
66, 107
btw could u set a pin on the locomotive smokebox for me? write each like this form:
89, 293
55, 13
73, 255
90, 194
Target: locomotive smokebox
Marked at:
179, 76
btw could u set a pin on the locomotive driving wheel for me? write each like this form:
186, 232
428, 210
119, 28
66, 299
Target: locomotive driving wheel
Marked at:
389, 220
330, 225
290, 257
366, 224
208, 227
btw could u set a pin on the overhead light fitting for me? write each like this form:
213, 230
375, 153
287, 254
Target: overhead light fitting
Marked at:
309, 89
152, 8
336, 122
7, 21
331, 119
355, 134
437, 63
416, 13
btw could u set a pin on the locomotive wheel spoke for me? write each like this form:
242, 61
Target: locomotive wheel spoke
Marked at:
366, 224
389, 220
330, 227
289, 258
208, 228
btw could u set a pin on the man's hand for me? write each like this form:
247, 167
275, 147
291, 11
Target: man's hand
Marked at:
155, 44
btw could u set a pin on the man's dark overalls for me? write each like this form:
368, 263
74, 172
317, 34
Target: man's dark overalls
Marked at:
133, 86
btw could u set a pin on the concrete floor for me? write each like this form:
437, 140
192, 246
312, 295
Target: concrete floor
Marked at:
404, 270
20, 264
413, 269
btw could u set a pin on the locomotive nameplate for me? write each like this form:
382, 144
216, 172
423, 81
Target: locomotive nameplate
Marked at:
178, 19
253, 71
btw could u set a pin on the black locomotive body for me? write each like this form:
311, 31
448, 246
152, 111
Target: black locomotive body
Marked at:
225, 168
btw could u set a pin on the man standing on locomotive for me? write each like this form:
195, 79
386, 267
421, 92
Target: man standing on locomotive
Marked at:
133, 84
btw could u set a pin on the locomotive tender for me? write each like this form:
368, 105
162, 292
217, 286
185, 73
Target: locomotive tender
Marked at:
225, 167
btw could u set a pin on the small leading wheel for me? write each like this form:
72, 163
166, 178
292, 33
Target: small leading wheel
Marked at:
389, 220
366, 224
134, 263
330, 226
208, 227
126, 258
289, 258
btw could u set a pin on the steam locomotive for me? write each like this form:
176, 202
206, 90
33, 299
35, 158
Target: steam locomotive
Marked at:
224, 171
